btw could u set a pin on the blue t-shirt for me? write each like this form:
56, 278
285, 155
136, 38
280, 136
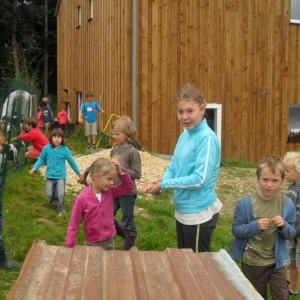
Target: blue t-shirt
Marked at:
90, 111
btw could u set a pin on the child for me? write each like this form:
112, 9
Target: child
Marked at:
292, 174
129, 157
4, 262
263, 221
95, 204
192, 174
40, 120
55, 155
89, 111
47, 117
63, 120
33, 135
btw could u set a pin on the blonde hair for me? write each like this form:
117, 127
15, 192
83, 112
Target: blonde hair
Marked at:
273, 162
101, 166
190, 92
293, 158
125, 125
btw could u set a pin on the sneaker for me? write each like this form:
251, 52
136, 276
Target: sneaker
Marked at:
60, 214
292, 292
94, 146
88, 145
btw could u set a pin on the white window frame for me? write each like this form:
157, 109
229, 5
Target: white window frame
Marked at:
217, 120
79, 104
91, 10
79, 16
295, 12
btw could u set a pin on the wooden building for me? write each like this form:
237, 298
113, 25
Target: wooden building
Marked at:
242, 54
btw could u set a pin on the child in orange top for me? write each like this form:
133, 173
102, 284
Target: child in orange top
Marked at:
63, 120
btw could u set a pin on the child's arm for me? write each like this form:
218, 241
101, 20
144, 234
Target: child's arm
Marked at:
40, 162
243, 226
72, 162
135, 169
285, 223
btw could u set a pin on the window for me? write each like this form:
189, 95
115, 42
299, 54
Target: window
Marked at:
91, 10
213, 115
295, 12
294, 123
79, 104
79, 16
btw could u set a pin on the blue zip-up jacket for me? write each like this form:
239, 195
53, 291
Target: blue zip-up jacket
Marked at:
194, 169
56, 161
243, 228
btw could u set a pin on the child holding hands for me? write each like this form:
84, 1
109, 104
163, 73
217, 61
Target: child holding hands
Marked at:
263, 221
292, 175
95, 205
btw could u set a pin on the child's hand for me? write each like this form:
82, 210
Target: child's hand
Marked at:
152, 187
278, 221
117, 164
264, 223
102, 111
31, 171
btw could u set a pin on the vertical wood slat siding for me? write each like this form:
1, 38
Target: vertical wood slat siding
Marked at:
230, 49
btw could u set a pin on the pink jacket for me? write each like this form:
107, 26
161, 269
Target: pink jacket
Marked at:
98, 217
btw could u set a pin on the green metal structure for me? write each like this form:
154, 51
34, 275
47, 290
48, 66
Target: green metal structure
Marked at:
17, 102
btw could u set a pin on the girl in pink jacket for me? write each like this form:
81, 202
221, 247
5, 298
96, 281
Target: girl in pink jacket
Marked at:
95, 205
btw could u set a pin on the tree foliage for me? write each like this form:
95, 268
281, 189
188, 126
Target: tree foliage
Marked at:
22, 41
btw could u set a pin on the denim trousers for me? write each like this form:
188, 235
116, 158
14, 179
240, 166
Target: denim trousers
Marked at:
126, 203
55, 190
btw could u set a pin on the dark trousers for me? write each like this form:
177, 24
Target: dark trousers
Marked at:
187, 235
260, 276
126, 203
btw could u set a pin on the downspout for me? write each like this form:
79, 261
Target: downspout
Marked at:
134, 61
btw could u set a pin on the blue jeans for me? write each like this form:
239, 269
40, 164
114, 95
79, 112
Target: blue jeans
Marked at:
55, 190
126, 203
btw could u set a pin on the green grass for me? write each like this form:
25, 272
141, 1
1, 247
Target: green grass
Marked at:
29, 218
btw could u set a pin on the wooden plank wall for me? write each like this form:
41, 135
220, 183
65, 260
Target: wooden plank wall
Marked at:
230, 49
97, 56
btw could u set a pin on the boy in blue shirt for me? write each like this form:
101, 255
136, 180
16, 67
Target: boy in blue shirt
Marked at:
89, 111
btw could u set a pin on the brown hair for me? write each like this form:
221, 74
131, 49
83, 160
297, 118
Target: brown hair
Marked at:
273, 162
31, 121
190, 92
89, 94
55, 132
124, 124
101, 166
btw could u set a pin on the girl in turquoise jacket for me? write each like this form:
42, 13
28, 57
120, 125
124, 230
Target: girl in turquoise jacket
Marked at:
192, 174
55, 156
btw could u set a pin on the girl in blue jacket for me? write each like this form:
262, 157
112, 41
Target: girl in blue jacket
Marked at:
192, 174
55, 155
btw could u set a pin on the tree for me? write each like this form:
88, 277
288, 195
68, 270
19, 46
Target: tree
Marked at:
24, 44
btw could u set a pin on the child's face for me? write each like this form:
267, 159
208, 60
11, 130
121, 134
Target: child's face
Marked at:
104, 182
269, 183
56, 139
2, 143
291, 174
190, 113
120, 138
27, 127
89, 98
